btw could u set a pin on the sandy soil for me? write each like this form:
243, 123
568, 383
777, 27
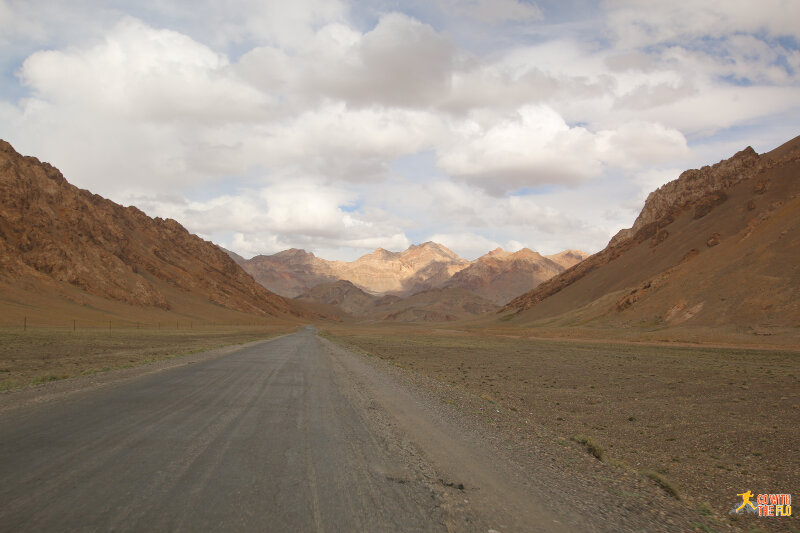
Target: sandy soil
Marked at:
708, 423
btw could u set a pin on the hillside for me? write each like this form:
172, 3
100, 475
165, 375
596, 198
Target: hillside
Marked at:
717, 248
289, 273
64, 247
435, 305
343, 295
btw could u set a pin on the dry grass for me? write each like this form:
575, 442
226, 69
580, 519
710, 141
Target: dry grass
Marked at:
664, 483
592, 446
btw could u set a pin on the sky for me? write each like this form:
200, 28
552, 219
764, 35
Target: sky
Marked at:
339, 127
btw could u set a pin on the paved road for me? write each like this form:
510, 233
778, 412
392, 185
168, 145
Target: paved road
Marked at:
262, 440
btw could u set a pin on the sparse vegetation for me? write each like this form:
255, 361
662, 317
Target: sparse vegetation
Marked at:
705, 509
664, 483
592, 446
702, 527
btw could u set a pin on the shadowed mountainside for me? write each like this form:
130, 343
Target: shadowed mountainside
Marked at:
345, 296
289, 273
63, 243
437, 305
432, 305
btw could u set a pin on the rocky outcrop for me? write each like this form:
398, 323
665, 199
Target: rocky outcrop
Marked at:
51, 232
692, 186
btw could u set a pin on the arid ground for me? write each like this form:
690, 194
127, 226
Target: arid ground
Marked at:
39, 355
706, 423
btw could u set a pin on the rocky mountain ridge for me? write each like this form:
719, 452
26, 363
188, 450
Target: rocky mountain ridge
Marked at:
691, 186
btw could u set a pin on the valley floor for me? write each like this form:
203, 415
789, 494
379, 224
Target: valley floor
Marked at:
704, 423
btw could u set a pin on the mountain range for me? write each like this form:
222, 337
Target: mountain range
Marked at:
293, 272
715, 250
427, 282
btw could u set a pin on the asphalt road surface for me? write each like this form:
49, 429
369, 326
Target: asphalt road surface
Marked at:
293, 434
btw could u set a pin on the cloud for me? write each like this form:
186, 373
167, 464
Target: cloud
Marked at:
190, 115
639, 23
349, 144
544, 222
301, 214
492, 11
286, 24
638, 144
535, 147
145, 74
292, 121
400, 62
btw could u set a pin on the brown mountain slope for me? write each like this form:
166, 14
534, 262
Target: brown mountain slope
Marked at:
718, 247
499, 276
289, 273
71, 244
433, 305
